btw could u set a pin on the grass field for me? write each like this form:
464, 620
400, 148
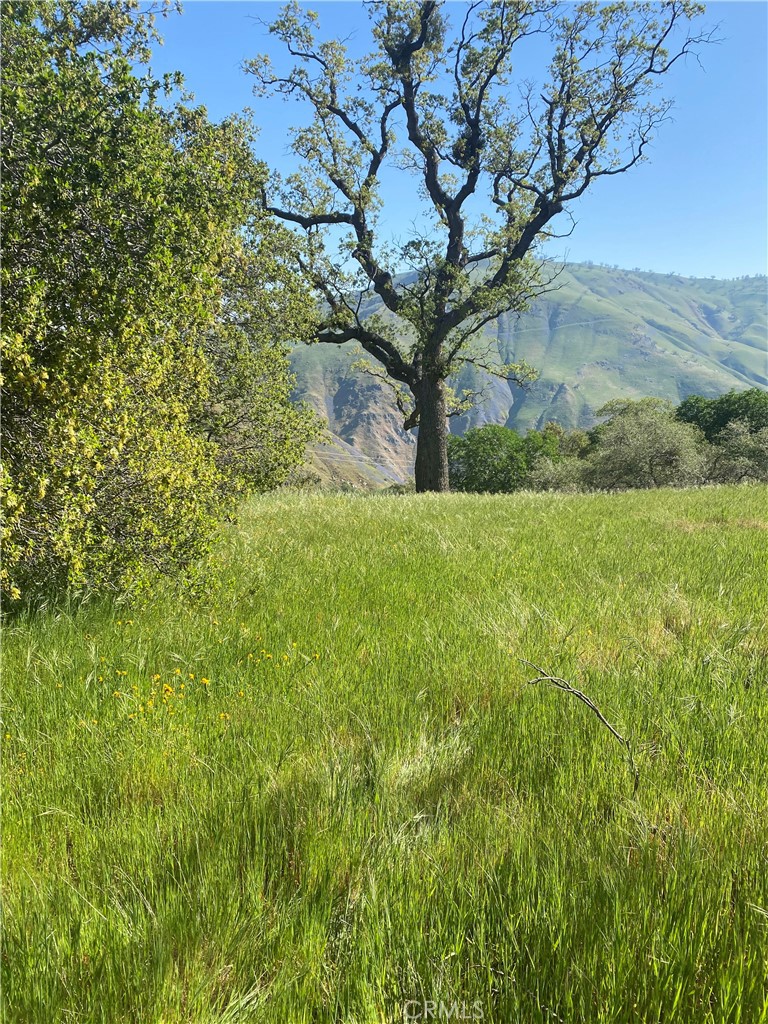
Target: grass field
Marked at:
317, 787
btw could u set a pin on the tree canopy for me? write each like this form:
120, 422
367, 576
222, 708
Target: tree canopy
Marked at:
643, 445
448, 95
713, 415
494, 459
133, 291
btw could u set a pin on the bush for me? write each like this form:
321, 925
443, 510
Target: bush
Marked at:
643, 445
566, 474
126, 264
738, 454
495, 459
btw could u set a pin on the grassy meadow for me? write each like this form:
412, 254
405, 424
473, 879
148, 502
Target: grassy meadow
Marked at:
315, 786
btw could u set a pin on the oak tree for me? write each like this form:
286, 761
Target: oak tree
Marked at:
467, 130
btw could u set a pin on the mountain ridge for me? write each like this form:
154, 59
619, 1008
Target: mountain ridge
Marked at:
602, 333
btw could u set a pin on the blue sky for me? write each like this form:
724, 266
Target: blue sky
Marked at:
699, 207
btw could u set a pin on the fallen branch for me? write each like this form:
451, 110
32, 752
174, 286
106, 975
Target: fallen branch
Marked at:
565, 686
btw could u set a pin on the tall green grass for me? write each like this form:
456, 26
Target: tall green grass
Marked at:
317, 787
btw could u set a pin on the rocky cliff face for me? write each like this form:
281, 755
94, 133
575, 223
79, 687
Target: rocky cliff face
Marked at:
603, 334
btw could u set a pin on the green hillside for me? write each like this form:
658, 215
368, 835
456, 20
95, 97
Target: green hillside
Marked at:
602, 334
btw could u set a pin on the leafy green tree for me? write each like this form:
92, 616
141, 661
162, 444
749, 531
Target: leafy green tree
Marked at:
591, 117
643, 445
490, 459
712, 415
123, 239
738, 453
259, 434
495, 459
575, 443
545, 443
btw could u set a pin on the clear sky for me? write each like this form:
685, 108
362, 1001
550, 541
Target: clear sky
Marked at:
699, 207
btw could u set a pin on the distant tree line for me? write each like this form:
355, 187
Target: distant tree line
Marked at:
640, 443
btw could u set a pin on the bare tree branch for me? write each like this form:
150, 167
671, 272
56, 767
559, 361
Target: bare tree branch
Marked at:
566, 687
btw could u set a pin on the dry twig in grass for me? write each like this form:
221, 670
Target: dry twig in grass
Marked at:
566, 687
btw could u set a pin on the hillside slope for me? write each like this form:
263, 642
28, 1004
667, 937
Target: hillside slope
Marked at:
602, 334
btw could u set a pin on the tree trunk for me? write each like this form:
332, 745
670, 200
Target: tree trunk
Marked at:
432, 440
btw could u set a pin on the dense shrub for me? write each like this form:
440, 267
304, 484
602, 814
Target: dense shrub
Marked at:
565, 474
643, 445
738, 454
495, 459
130, 257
